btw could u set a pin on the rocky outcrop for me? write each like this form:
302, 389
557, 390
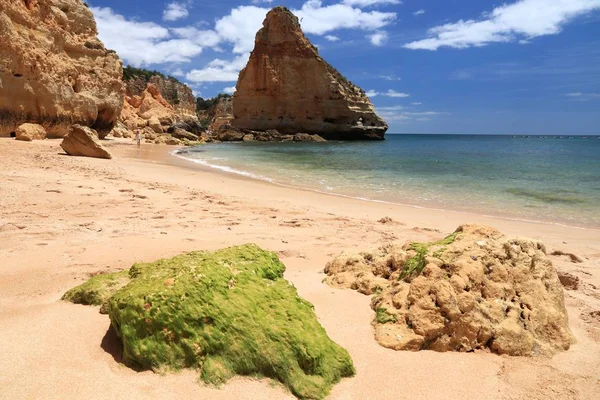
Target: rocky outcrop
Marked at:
29, 132
53, 69
83, 141
221, 114
287, 86
151, 109
474, 290
177, 94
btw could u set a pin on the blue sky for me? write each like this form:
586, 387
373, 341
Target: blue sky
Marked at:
443, 66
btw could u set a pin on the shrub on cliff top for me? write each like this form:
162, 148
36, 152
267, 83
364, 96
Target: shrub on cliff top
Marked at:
227, 312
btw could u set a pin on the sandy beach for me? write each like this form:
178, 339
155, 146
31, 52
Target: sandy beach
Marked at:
63, 219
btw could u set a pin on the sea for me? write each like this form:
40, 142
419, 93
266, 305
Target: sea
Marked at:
554, 179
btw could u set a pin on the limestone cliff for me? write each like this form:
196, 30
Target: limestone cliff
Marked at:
177, 94
287, 86
53, 69
218, 112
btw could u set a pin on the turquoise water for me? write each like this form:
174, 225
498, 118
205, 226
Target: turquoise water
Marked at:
549, 178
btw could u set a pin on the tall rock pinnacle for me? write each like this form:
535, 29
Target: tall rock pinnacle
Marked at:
287, 86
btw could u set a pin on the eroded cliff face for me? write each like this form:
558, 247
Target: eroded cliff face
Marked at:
53, 69
177, 94
287, 86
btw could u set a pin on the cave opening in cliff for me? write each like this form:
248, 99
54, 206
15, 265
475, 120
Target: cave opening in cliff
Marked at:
13, 134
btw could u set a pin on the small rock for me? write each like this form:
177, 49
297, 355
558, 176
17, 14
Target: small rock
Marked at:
28, 132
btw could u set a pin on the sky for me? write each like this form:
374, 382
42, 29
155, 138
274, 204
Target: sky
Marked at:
428, 66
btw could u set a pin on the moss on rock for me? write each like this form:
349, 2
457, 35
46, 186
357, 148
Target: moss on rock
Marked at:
97, 290
226, 313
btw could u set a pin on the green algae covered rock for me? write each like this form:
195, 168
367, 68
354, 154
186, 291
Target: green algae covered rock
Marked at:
225, 313
98, 289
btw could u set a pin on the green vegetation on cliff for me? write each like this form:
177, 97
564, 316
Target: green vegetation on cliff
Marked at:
225, 313
130, 73
203, 105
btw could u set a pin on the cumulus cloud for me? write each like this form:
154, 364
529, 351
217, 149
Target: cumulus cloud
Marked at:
219, 70
319, 20
521, 20
229, 90
379, 38
175, 11
147, 42
419, 12
206, 38
332, 38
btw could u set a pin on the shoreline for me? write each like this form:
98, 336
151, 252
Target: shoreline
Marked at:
249, 175
63, 219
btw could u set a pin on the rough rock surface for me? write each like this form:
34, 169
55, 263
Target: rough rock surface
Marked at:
83, 141
28, 132
221, 114
53, 69
476, 289
287, 86
153, 110
177, 94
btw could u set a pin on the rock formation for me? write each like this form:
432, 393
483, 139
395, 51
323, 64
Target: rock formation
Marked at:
224, 313
53, 69
287, 86
475, 289
83, 141
221, 113
28, 132
162, 103
177, 94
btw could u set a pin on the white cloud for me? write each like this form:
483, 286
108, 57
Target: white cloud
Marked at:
367, 3
417, 103
229, 90
393, 93
175, 11
261, 1
319, 20
580, 96
379, 38
332, 38
205, 38
146, 43
219, 70
389, 93
419, 12
523, 19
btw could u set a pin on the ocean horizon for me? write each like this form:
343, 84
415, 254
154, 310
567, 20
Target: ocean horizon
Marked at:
545, 178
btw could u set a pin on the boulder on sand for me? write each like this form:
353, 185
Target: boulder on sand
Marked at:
83, 141
28, 132
225, 313
474, 290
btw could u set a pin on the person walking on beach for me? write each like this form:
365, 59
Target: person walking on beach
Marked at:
138, 137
